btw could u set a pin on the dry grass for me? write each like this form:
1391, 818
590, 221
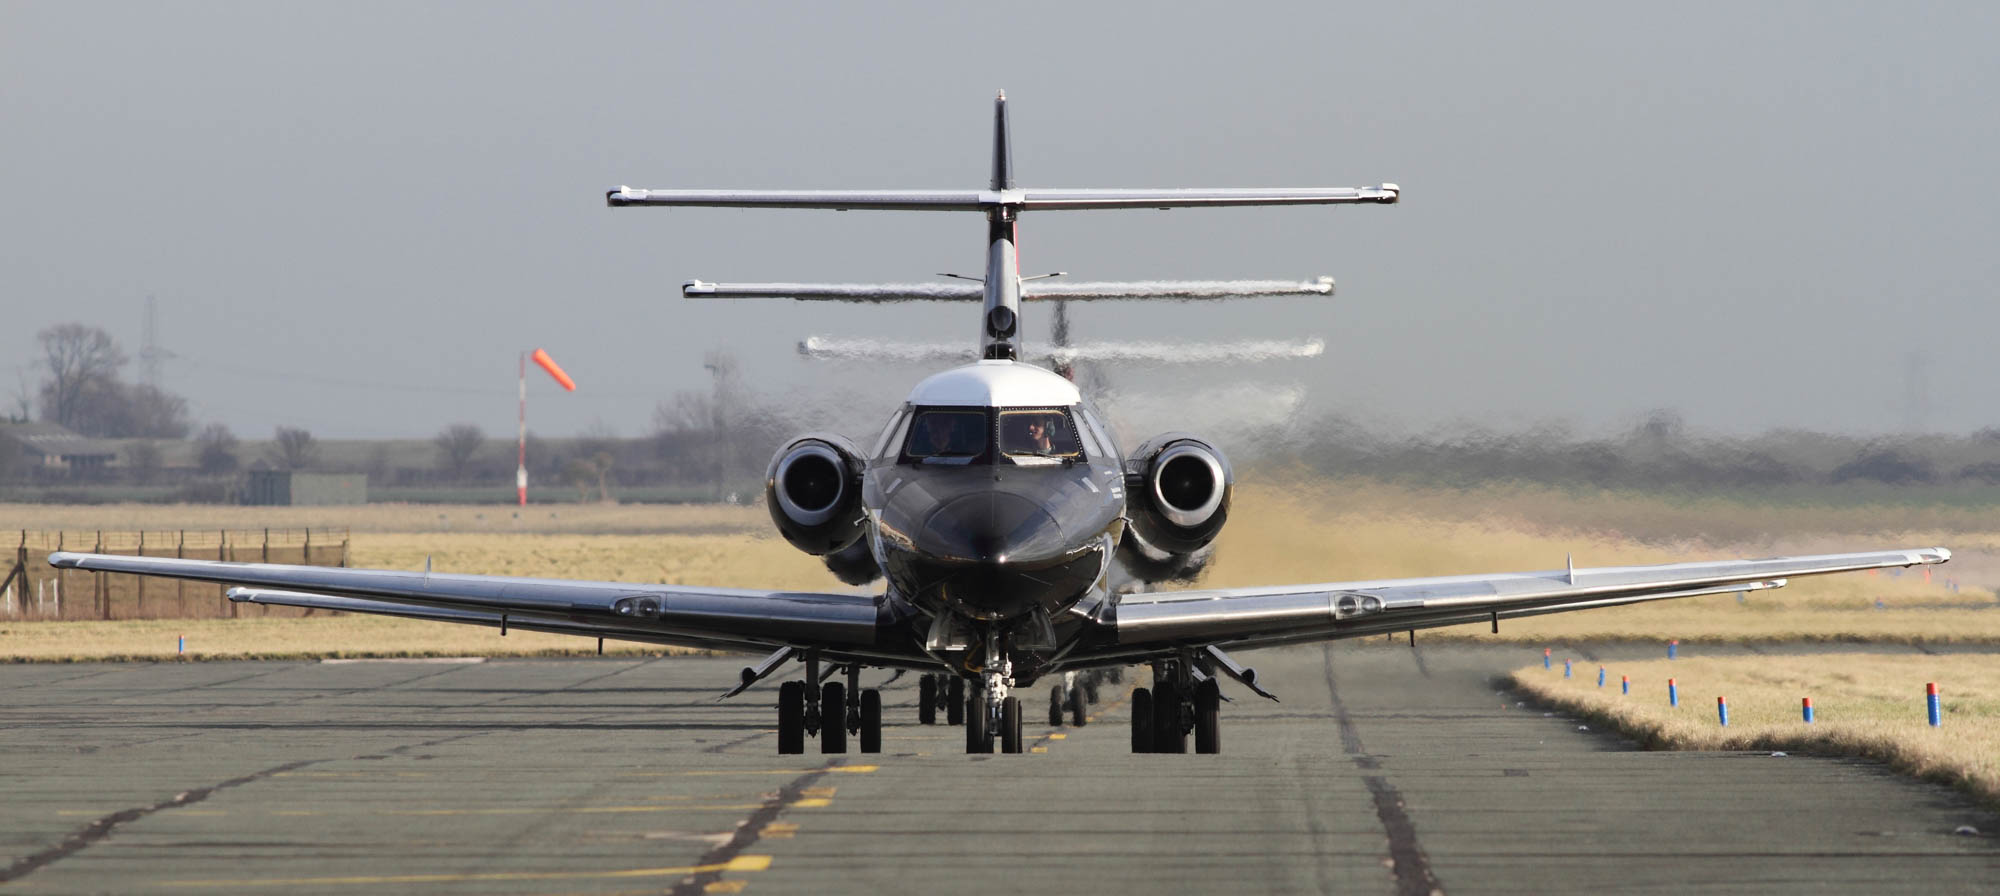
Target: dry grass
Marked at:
574, 518
282, 639
1331, 531
1866, 705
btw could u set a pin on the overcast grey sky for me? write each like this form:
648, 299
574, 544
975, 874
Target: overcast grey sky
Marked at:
1755, 213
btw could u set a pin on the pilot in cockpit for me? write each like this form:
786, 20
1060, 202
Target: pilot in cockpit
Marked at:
1036, 433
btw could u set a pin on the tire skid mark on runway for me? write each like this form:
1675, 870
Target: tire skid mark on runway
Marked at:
1407, 862
750, 830
99, 829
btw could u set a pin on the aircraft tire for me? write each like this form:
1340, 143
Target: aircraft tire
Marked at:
832, 712
1142, 721
871, 721
1208, 717
978, 737
954, 701
1010, 725
1077, 706
927, 700
792, 717
1167, 734
1056, 706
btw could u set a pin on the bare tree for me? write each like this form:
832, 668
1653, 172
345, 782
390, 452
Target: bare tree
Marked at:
83, 366
585, 472
143, 456
292, 449
215, 449
456, 446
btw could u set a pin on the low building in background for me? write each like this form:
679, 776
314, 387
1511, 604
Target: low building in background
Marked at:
53, 447
287, 488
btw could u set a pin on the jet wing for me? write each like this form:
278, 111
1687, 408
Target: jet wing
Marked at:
725, 618
1155, 623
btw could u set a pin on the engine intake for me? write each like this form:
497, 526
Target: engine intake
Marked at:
1179, 487
813, 489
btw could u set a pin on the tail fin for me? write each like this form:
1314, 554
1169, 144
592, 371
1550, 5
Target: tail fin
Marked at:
1003, 146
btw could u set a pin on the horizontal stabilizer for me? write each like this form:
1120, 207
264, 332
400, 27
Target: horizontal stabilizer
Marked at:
838, 292
1034, 290
1022, 200
1054, 200
837, 349
1176, 289
838, 200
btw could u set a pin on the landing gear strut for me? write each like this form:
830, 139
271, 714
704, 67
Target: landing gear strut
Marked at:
1183, 699
830, 709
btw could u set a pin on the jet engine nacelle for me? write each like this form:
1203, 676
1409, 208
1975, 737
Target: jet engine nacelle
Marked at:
1178, 488
813, 488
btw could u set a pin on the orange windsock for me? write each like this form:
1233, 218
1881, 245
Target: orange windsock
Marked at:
549, 364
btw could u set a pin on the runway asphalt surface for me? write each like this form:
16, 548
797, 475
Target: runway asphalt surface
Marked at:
1385, 770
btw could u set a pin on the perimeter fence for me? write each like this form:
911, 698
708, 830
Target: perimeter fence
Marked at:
31, 589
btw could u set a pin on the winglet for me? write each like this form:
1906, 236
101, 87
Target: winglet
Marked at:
1569, 560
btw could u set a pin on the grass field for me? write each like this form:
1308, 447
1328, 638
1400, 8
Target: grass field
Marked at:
1314, 532
1869, 705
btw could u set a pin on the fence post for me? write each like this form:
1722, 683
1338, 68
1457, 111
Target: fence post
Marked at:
180, 585
101, 582
345, 534
222, 554
62, 576
141, 613
306, 559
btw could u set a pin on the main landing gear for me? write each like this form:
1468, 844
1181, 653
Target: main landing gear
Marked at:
832, 709
1183, 700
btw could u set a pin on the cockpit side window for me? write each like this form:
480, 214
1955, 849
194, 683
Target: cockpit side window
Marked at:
947, 436
892, 434
1037, 432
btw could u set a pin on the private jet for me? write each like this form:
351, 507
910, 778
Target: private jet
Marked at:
1014, 540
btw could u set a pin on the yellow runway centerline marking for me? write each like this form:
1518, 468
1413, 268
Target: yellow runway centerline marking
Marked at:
724, 886
819, 792
740, 863
838, 769
580, 810
1058, 737
1038, 749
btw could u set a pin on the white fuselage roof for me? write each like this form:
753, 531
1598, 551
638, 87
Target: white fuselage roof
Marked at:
996, 384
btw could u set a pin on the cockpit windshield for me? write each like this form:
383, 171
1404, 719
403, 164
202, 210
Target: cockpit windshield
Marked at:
947, 435
1036, 433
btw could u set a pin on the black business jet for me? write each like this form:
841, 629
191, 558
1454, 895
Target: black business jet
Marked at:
1016, 541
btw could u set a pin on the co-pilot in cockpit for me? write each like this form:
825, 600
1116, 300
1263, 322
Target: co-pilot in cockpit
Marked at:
960, 436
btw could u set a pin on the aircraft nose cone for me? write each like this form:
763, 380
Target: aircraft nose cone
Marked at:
990, 527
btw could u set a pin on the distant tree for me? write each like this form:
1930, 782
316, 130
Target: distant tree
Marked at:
593, 470
10, 458
82, 367
1888, 465
456, 446
215, 449
143, 457
154, 413
292, 449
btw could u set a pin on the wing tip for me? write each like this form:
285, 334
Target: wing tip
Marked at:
65, 559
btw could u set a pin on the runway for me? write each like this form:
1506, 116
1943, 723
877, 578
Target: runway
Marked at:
1385, 770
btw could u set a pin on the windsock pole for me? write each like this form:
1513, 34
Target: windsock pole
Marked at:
521, 447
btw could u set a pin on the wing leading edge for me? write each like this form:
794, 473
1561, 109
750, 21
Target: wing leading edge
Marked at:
1147, 624
673, 614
